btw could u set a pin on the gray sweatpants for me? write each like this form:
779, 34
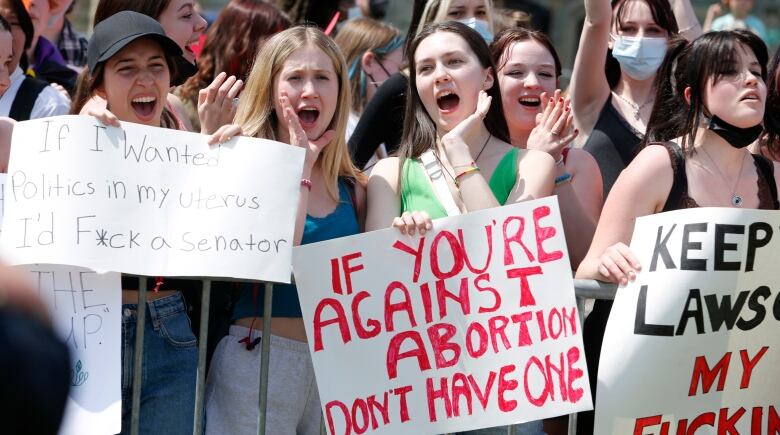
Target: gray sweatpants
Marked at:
232, 388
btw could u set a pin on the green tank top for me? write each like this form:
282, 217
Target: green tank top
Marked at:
417, 193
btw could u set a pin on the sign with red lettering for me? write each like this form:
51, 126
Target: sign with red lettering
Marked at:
692, 345
472, 325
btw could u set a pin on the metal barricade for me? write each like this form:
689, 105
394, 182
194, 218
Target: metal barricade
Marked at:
583, 290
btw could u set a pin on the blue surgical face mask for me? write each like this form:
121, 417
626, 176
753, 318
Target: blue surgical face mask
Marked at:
481, 26
640, 58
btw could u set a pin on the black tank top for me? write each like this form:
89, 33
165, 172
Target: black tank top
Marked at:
613, 143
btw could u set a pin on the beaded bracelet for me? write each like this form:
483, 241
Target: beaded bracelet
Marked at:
563, 179
470, 169
306, 183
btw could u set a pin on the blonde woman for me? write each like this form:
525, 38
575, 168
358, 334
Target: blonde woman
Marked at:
373, 52
306, 105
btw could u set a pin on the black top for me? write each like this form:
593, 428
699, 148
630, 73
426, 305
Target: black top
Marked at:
382, 121
613, 143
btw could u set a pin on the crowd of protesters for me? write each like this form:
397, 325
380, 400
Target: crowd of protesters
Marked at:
658, 116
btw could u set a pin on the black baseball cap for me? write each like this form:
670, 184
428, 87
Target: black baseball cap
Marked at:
122, 28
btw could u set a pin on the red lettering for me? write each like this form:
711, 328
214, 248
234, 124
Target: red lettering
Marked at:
457, 255
540, 322
335, 276
442, 294
773, 424
505, 385
755, 422
573, 321
460, 388
497, 326
554, 313
524, 337
483, 397
572, 357
344, 410
702, 420
440, 335
496, 296
526, 297
394, 354
373, 405
703, 373
441, 393
360, 405
425, 292
748, 365
727, 424
542, 234
404, 408
561, 376
482, 339
641, 423
416, 253
516, 238
536, 401
373, 326
392, 308
488, 243
349, 270
340, 319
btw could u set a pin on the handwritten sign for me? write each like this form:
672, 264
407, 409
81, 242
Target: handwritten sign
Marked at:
471, 326
692, 346
150, 201
85, 309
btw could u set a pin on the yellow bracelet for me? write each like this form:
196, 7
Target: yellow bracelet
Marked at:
468, 170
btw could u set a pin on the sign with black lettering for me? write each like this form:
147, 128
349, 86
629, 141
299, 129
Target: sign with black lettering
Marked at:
150, 201
692, 346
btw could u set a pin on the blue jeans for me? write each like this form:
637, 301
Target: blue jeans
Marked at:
530, 428
169, 367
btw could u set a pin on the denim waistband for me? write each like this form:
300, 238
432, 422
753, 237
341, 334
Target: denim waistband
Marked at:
158, 308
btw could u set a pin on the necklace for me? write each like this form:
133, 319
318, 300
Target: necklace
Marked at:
736, 200
447, 171
637, 109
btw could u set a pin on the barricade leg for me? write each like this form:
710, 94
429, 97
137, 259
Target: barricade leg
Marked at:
205, 301
138, 357
572, 424
265, 357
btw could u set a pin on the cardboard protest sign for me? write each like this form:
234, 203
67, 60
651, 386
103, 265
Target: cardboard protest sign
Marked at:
472, 325
85, 309
692, 347
150, 201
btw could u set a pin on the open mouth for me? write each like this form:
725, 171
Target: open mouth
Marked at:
750, 97
448, 101
308, 116
144, 106
533, 102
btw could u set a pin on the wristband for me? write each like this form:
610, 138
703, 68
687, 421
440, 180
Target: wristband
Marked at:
306, 183
468, 170
563, 179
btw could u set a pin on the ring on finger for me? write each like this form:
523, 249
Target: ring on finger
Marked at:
555, 132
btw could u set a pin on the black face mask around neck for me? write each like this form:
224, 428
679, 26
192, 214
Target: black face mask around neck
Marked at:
735, 136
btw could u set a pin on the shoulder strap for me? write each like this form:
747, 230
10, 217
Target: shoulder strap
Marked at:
436, 174
21, 108
680, 182
768, 171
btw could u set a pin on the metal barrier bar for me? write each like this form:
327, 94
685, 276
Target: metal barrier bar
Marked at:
138, 356
265, 357
203, 342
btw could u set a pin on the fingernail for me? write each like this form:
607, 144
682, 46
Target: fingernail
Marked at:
560, 100
566, 109
576, 130
552, 100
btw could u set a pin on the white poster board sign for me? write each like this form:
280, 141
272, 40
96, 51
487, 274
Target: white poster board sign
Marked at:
692, 346
472, 325
85, 309
150, 201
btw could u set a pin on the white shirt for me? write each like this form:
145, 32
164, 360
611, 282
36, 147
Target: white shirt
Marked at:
50, 102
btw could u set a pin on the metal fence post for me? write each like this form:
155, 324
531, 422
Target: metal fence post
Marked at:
205, 302
135, 415
265, 357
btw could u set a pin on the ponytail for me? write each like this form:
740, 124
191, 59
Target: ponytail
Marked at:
670, 111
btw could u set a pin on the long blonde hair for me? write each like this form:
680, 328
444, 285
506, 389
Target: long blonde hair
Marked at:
257, 117
435, 11
355, 38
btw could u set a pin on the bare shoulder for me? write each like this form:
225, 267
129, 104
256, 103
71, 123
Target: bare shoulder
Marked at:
387, 167
581, 162
649, 176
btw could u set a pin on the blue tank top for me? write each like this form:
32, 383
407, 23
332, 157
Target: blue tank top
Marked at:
341, 223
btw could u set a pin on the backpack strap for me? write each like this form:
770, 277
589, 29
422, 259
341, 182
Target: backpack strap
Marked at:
680, 181
768, 172
25, 98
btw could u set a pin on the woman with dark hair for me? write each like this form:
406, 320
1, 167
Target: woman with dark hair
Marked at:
770, 140
26, 97
454, 121
540, 118
630, 38
709, 106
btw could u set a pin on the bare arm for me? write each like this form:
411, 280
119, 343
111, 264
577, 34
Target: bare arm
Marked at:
384, 199
580, 203
640, 190
535, 178
686, 19
6, 130
589, 88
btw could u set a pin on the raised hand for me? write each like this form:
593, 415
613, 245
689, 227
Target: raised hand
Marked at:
456, 141
96, 107
215, 102
554, 126
298, 136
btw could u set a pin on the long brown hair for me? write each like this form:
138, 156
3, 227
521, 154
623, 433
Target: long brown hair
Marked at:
233, 40
106, 8
420, 133
256, 114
